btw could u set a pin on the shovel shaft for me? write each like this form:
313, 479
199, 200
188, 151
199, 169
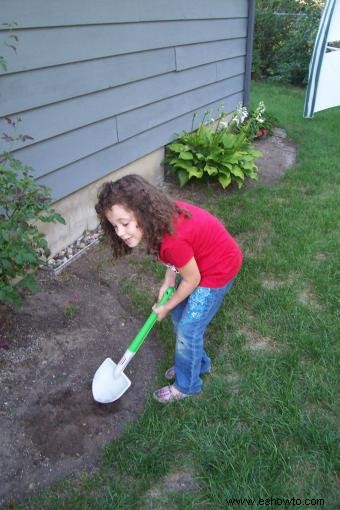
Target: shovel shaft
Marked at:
123, 362
110, 382
148, 324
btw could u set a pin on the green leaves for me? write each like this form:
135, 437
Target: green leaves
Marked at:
221, 155
235, 170
183, 177
178, 147
224, 180
30, 283
186, 155
211, 170
23, 203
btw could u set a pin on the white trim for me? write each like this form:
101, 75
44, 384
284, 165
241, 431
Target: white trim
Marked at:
323, 89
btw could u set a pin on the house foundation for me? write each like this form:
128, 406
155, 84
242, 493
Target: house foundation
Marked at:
78, 210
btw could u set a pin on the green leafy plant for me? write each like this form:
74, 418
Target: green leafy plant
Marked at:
284, 37
220, 154
70, 311
23, 248
23, 203
260, 122
71, 308
266, 128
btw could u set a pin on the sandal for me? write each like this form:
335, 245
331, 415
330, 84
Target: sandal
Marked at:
166, 395
170, 374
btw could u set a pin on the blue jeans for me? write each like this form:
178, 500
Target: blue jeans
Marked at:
190, 319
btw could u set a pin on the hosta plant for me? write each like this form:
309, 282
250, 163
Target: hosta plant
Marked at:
256, 123
214, 154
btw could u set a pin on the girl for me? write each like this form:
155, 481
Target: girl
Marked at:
189, 241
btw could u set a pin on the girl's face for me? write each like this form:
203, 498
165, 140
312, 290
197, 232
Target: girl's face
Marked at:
125, 224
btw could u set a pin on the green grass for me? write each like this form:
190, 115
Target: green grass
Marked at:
265, 424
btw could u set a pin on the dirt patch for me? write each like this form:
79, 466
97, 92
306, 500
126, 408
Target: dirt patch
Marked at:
180, 481
279, 153
271, 283
50, 426
253, 243
308, 298
256, 342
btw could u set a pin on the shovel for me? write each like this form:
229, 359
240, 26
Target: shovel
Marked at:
110, 382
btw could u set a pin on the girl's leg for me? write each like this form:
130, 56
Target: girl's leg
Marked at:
190, 357
176, 313
176, 316
205, 363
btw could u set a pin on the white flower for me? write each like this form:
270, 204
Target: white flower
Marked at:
259, 119
240, 115
260, 109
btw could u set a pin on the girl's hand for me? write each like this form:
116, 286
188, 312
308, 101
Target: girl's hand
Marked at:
161, 311
162, 290
169, 281
190, 280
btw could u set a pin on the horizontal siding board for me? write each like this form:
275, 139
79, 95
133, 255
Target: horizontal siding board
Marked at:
194, 9
100, 84
198, 54
230, 67
46, 86
39, 48
144, 118
44, 13
57, 152
46, 122
71, 178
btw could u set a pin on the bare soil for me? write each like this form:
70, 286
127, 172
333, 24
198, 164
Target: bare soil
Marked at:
50, 426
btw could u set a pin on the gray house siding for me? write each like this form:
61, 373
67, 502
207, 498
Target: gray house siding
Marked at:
100, 84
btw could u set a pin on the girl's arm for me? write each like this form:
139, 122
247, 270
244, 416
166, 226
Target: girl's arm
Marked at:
169, 281
191, 278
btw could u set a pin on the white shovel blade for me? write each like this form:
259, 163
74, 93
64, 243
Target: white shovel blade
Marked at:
106, 387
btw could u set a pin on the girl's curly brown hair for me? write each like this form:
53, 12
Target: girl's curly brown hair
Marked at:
154, 211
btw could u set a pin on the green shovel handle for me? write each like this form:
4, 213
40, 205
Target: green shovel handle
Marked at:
148, 324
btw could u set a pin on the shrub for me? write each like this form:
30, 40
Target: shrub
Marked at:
23, 202
223, 154
284, 38
259, 127
22, 247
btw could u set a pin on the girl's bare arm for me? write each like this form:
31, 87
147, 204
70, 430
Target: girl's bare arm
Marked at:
191, 278
169, 281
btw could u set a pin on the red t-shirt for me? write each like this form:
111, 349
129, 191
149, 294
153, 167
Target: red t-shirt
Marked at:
204, 237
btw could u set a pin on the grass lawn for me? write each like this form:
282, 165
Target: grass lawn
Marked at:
265, 425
